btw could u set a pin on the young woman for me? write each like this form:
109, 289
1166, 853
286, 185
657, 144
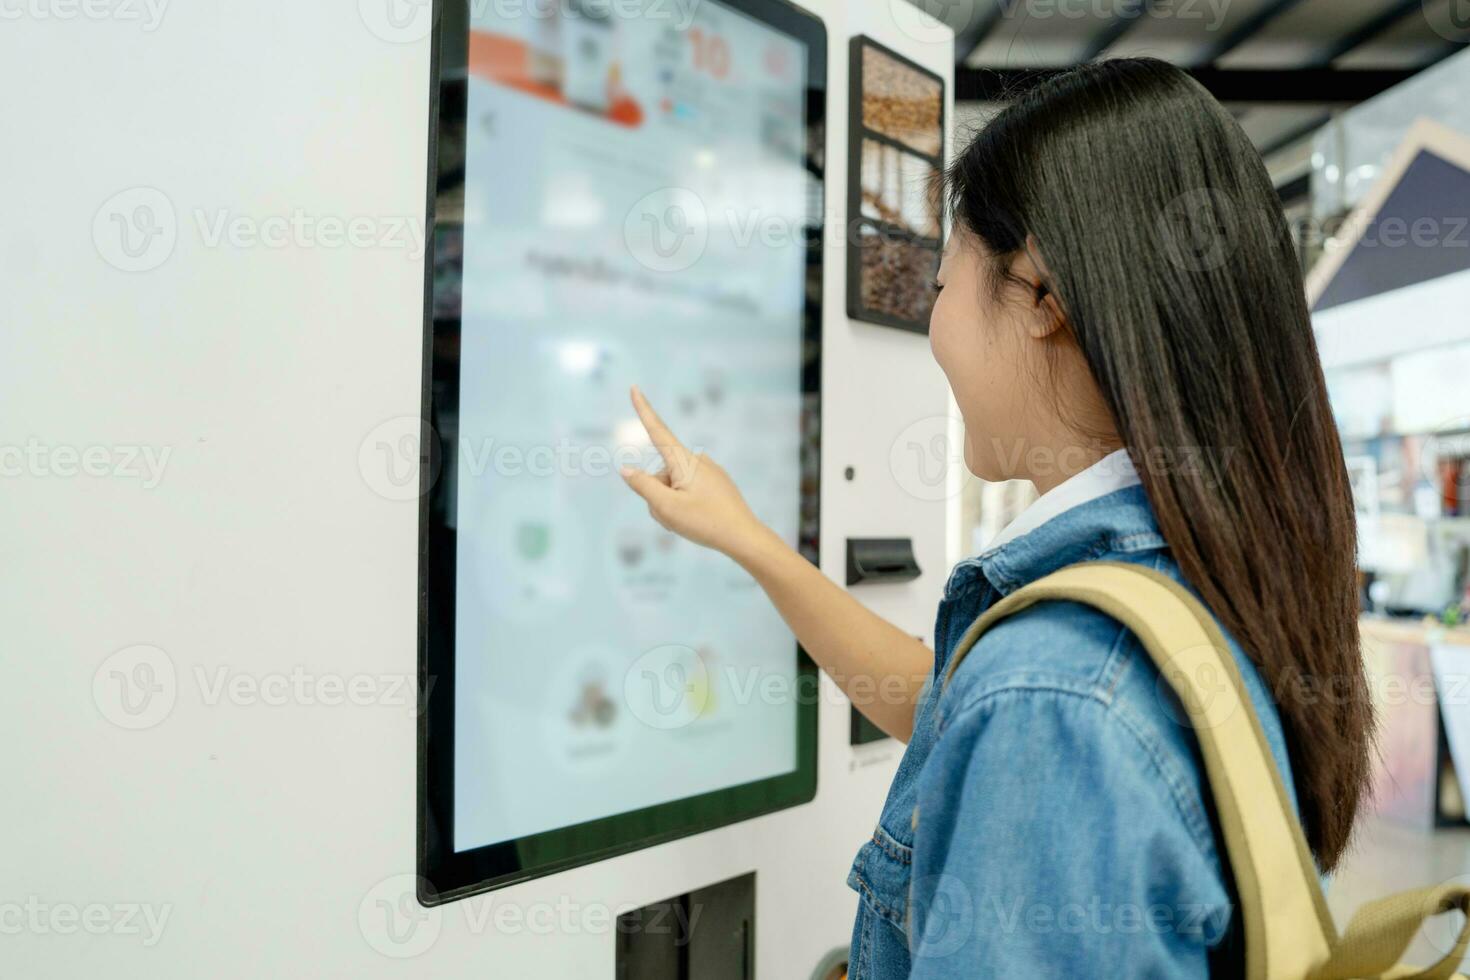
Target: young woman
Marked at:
1123, 323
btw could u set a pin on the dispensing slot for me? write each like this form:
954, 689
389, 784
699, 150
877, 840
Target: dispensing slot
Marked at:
881, 560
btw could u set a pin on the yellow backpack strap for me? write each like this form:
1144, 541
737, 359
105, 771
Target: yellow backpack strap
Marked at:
1380, 932
1288, 930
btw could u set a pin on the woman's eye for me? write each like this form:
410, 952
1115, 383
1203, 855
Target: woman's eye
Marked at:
937, 285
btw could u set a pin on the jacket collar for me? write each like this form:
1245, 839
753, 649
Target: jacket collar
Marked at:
1121, 522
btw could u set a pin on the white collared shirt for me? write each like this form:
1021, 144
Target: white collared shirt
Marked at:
1111, 473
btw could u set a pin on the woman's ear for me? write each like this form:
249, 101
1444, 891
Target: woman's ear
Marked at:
1030, 267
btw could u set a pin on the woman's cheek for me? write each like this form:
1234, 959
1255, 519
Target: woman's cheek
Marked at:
941, 337
961, 367
936, 328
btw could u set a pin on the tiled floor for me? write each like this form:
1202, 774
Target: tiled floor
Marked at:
1387, 858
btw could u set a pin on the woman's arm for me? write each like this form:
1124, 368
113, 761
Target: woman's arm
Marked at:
879, 666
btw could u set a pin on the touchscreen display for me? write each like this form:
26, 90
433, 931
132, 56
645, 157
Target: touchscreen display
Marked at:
639, 205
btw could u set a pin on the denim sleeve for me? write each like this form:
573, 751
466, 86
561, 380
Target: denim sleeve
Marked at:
1050, 842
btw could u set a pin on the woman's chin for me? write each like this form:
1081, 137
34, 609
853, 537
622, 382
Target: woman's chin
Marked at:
981, 467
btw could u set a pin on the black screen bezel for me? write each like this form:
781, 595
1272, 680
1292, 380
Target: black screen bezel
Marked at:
445, 874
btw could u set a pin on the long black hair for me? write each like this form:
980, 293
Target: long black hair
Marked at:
1165, 245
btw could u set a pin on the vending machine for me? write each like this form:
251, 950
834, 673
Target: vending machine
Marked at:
386, 673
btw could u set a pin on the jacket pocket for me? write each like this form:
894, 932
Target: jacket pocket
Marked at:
881, 874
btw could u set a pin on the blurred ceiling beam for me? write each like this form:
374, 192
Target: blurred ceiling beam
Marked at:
1113, 33
1367, 31
989, 13
977, 28
1264, 86
1296, 133
1244, 31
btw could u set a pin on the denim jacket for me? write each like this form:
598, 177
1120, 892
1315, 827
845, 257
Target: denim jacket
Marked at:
1050, 816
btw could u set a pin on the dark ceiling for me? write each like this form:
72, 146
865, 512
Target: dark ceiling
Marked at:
1282, 65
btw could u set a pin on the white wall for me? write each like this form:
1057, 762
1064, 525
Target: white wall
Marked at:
260, 836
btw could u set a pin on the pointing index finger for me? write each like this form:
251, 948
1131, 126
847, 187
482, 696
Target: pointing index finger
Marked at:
669, 447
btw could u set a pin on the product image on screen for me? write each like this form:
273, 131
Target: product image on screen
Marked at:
625, 194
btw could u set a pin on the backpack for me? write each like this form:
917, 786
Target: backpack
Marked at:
1289, 933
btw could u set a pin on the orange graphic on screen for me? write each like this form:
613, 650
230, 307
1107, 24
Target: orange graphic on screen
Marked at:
570, 63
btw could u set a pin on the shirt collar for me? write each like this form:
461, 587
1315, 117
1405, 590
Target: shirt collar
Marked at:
1113, 472
1102, 510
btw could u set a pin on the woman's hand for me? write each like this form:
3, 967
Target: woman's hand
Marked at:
693, 496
